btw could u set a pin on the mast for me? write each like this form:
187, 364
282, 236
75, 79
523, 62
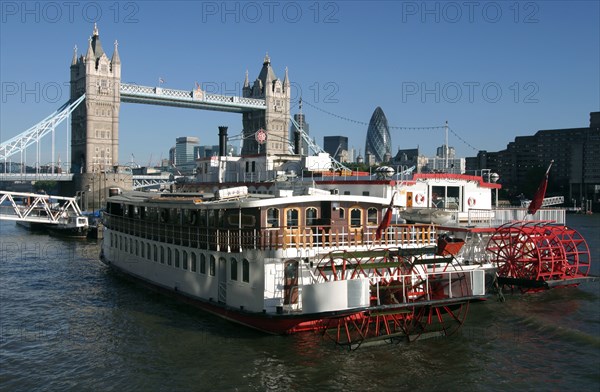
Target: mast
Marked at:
446, 146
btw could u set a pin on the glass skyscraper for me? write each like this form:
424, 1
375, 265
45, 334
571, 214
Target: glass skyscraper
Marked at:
379, 141
184, 149
334, 145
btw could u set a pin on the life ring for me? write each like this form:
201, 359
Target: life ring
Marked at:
471, 201
419, 198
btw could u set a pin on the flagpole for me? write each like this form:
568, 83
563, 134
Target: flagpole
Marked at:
538, 197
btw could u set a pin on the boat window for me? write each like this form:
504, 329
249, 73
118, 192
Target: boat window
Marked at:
311, 216
131, 245
148, 250
112, 239
246, 271
169, 256
247, 220
155, 254
143, 249
202, 263
445, 197
273, 217
234, 269
184, 261
162, 254
176, 258
125, 241
211, 267
211, 218
194, 262
202, 218
355, 217
164, 215
292, 217
193, 218
176, 220
372, 216
137, 248
220, 215
342, 213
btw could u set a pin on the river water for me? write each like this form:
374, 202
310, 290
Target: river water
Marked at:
68, 323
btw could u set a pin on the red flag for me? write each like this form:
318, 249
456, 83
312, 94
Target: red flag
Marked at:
387, 219
538, 198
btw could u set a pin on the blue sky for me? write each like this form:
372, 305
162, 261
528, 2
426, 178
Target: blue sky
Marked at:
493, 69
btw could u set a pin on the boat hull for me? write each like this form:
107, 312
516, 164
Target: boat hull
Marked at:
277, 324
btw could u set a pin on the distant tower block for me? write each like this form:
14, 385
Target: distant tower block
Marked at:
275, 119
95, 125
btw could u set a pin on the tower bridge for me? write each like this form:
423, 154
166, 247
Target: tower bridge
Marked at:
96, 94
195, 99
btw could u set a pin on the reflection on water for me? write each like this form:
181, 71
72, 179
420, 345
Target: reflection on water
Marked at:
69, 323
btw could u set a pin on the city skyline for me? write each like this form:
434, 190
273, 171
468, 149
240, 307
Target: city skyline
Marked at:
433, 57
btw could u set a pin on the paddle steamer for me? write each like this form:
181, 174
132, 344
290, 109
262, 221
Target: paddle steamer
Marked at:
265, 242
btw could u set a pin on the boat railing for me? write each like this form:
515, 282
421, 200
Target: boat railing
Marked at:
428, 286
402, 290
274, 238
500, 216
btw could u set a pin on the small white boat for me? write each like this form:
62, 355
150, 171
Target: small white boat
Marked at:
429, 215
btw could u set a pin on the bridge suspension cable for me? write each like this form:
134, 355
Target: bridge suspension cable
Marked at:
365, 123
393, 126
21, 142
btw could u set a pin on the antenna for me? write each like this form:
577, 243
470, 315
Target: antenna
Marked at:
446, 146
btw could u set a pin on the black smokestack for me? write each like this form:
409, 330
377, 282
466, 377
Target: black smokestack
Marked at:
222, 141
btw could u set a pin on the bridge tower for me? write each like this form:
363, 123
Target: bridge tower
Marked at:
275, 119
95, 125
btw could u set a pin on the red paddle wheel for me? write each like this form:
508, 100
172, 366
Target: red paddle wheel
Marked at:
531, 254
577, 253
411, 295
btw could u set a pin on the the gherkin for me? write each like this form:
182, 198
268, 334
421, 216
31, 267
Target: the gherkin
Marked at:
379, 141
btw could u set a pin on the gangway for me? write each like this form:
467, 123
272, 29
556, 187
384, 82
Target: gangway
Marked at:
38, 208
548, 201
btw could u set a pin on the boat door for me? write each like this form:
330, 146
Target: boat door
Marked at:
290, 284
222, 280
409, 199
292, 221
